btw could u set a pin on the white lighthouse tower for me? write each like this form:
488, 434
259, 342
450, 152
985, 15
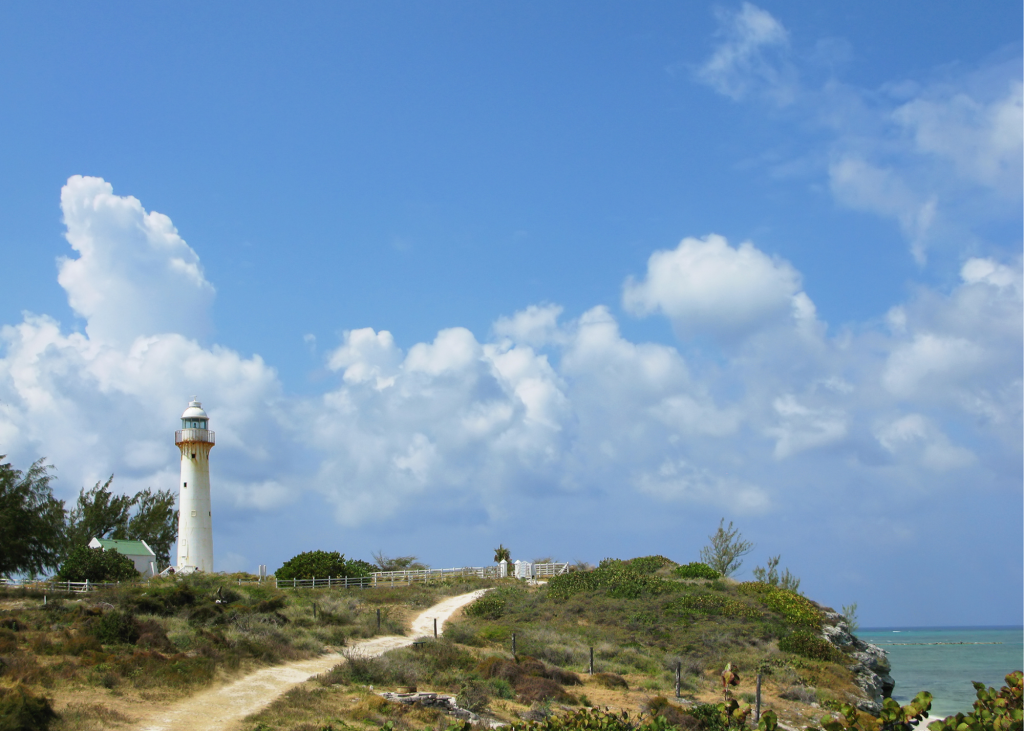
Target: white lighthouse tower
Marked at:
195, 516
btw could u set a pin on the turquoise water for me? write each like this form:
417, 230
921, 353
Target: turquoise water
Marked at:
946, 670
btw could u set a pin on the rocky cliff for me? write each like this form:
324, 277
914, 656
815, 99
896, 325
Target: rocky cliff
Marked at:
872, 666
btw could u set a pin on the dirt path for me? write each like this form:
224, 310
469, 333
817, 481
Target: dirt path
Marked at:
221, 708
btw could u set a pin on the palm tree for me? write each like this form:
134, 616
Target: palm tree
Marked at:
501, 553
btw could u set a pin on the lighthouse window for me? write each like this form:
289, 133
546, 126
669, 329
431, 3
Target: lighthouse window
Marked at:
184, 484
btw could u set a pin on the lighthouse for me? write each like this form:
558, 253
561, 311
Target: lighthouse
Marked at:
195, 516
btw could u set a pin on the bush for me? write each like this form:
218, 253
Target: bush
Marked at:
696, 570
621, 580
96, 564
809, 645
488, 606
116, 628
612, 681
322, 564
21, 710
795, 608
648, 564
532, 689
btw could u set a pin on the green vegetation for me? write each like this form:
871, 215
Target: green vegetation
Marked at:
502, 554
322, 564
850, 615
37, 534
770, 575
696, 570
96, 565
147, 516
22, 710
31, 520
1000, 710
383, 562
725, 550
174, 635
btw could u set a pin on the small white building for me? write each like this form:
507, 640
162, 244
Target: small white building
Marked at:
138, 551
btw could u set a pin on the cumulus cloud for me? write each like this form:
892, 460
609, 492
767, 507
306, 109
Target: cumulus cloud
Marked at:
705, 286
547, 408
134, 274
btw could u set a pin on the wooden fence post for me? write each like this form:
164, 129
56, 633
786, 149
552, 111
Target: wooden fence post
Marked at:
435, 628
757, 706
513, 644
679, 678
591, 660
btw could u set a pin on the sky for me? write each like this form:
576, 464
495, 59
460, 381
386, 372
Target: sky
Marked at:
578, 278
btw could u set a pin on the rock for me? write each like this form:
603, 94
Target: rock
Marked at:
871, 671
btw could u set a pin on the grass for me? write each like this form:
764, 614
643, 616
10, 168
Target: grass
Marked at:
642, 621
170, 637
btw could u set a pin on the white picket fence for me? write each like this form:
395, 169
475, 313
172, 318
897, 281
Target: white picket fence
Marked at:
71, 587
520, 570
331, 582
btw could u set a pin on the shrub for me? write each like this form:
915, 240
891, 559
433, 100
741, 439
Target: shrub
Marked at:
809, 645
612, 681
713, 605
532, 689
116, 628
620, 580
648, 564
994, 709
321, 564
96, 564
795, 608
21, 710
487, 607
696, 570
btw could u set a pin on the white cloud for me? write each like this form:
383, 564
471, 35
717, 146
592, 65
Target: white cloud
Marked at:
680, 481
751, 57
983, 139
134, 274
536, 326
942, 159
800, 427
366, 355
705, 286
547, 407
916, 435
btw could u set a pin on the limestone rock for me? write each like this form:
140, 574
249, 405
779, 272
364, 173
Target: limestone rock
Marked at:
871, 671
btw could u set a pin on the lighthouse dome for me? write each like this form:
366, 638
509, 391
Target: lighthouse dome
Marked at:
194, 411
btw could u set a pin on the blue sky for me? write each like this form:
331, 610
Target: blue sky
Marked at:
580, 279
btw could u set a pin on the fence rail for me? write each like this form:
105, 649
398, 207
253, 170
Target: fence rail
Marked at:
76, 587
422, 576
331, 582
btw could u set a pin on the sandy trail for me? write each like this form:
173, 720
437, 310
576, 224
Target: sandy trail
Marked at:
220, 708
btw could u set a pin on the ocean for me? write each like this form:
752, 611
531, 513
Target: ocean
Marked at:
933, 659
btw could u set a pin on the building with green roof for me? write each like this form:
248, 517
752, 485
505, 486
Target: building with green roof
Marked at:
138, 551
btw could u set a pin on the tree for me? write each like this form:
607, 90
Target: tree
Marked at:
850, 615
147, 516
31, 520
155, 521
96, 564
726, 549
502, 554
322, 564
97, 514
383, 562
770, 575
